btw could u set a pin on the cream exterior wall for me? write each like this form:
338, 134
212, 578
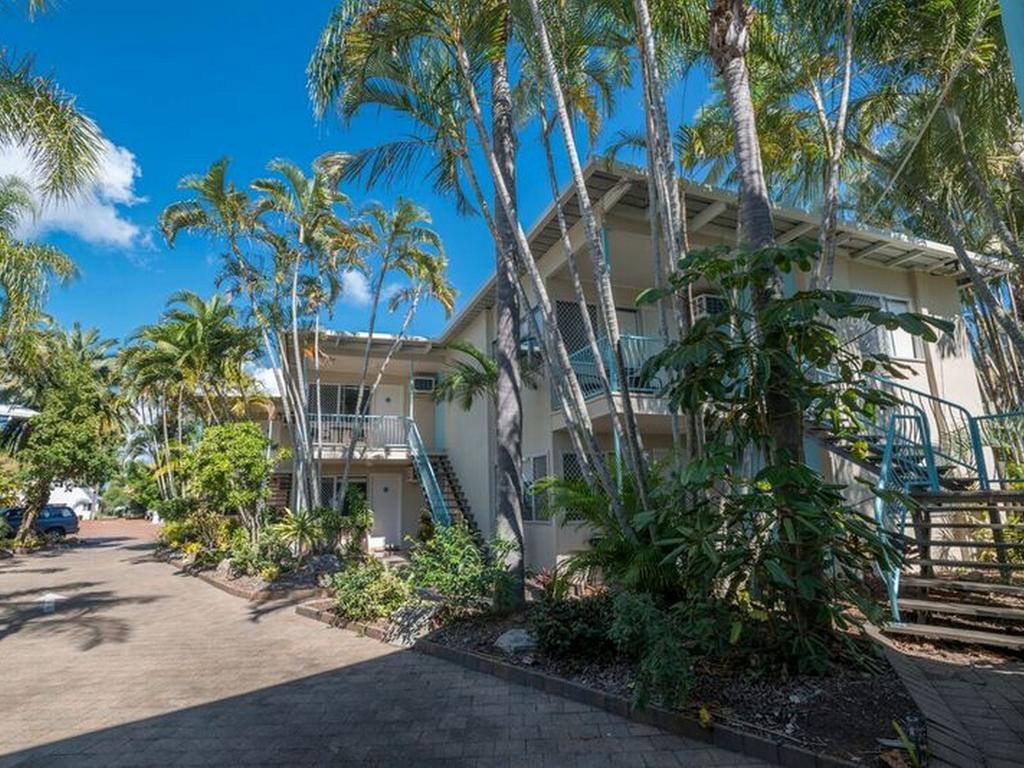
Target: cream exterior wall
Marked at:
946, 369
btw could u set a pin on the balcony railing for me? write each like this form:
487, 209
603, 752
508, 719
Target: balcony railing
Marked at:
368, 432
636, 350
384, 433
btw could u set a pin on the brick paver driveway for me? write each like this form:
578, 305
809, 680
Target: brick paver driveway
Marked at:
138, 665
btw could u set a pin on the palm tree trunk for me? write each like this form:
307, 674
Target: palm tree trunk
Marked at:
827, 235
319, 451
566, 387
577, 284
362, 406
982, 189
509, 421
555, 347
602, 277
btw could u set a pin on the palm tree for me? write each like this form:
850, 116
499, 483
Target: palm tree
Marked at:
399, 240
469, 380
26, 269
324, 246
35, 114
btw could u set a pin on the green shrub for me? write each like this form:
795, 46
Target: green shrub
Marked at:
452, 563
174, 534
652, 637
269, 554
366, 590
175, 510
574, 628
331, 526
300, 530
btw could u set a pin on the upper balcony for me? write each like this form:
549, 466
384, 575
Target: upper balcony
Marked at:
380, 437
636, 350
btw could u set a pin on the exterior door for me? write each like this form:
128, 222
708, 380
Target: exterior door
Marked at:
386, 502
389, 401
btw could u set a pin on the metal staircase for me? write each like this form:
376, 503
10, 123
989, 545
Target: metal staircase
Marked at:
953, 506
451, 489
428, 479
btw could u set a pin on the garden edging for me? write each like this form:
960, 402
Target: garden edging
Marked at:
252, 596
773, 751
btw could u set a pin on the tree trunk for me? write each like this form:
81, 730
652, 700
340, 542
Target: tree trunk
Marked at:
509, 426
558, 358
825, 268
35, 499
602, 277
982, 189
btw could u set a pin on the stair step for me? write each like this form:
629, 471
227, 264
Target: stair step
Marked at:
972, 636
962, 609
971, 543
962, 586
972, 526
969, 564
956, 634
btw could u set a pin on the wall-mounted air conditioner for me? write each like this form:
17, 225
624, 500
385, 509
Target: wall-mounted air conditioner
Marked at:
423, 384
705, 304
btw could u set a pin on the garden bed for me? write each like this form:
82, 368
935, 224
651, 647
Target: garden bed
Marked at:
300, 584
842, 715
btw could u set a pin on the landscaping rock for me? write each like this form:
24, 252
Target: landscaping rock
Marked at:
411, 622
224, 568
516, 642
326, 564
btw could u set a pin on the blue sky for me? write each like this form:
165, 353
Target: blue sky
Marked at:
175, 90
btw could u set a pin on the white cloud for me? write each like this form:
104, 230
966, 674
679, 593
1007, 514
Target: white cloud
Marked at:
355, 289
95, 214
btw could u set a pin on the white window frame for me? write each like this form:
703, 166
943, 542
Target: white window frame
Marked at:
531, 501
885, 298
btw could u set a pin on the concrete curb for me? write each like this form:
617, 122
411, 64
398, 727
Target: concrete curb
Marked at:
771, 751
252, 596
331, 619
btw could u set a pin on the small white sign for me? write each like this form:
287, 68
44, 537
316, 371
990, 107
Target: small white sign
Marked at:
49, 601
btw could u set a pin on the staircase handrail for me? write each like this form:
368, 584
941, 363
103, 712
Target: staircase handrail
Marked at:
967, 421
425, 470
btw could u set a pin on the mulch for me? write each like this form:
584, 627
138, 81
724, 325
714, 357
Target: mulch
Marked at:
843, 714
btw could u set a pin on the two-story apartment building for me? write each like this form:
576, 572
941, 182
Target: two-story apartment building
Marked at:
888, 269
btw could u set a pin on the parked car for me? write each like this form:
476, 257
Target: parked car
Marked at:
53, 519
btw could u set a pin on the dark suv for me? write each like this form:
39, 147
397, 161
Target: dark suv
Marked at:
52, 519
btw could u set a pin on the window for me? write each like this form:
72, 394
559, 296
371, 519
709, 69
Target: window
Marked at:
337, 398
873, 340
529, 342
535, 504
573, 472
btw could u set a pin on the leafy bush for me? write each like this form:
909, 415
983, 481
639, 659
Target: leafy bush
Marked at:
573, 628
654, 638
229, 470
174, 534
366, 590
467, 576
270, 554
331, 526
6, 532
175, 510
300, 530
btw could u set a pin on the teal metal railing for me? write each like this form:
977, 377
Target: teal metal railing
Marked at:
1002, 436
425, 471
636, 350
907, 464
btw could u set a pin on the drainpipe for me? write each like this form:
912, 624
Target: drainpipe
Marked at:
1013, 26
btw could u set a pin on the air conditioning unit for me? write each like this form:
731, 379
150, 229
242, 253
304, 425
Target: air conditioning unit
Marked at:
705, 304
423, 384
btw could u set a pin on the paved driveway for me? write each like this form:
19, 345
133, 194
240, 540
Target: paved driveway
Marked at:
138, 665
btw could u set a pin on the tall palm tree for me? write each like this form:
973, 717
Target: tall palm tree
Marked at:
398, 241
26, 269
35, 114
317, 246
